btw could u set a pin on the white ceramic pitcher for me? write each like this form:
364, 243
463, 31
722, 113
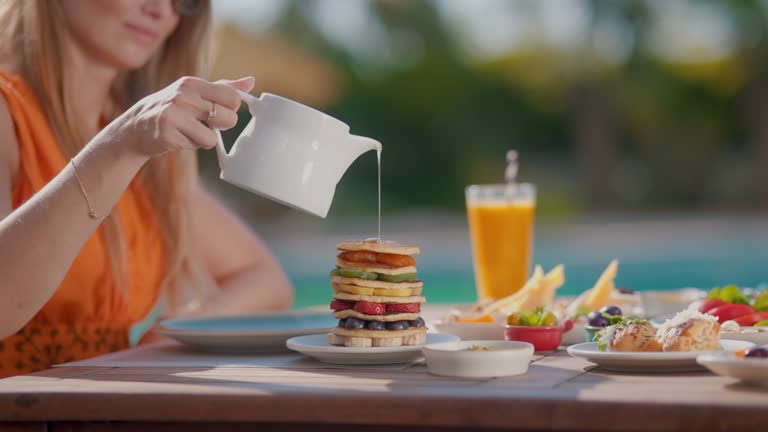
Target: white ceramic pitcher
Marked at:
291, 153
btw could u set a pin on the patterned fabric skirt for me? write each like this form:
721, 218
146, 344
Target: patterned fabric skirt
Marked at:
36, 347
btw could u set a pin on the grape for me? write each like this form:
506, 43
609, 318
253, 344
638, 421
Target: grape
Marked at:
596, 319
611, 310
513, 318
757, 352
548, 319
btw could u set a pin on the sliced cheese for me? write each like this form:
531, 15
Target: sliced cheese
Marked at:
341, 280
602, 294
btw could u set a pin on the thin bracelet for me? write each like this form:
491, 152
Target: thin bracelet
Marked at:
91, 213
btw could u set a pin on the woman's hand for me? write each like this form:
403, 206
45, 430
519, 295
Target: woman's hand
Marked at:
171, 119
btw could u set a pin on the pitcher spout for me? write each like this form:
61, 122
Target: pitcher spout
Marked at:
365, 144
349, 150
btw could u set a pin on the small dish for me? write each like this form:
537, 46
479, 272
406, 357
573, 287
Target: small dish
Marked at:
590, 332
669, 302
756, 335
458, 359
748, 370
542, 338
470, 331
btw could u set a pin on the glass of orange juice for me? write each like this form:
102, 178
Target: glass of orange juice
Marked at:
501, 221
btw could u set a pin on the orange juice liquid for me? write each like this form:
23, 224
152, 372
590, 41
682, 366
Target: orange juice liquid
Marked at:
502, 244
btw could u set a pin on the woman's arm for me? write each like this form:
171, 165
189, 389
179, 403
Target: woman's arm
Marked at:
250, 278
40, 239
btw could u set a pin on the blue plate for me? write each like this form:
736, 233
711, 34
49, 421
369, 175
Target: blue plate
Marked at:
263, 332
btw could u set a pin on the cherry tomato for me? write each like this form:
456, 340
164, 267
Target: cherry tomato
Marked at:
709, 304
752, 319
730, 311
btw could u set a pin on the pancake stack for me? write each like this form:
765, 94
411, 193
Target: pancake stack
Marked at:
377, 295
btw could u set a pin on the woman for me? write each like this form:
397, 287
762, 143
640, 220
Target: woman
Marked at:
101, 215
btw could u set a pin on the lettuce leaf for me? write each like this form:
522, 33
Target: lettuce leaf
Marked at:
761, 301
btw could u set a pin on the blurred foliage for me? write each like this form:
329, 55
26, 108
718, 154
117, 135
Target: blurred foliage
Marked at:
645, 132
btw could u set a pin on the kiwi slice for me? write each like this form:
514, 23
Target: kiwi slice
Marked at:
407, 277
356, 274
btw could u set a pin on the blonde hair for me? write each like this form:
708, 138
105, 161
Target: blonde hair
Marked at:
30, 33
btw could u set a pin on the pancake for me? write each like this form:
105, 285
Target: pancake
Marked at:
346, 313
413, 291
375, 267
378, 299
381, 338
341, 280
374, 245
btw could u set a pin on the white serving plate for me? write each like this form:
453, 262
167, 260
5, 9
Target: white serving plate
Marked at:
647, 361
249, 333
453, 359
749, 371
317, 346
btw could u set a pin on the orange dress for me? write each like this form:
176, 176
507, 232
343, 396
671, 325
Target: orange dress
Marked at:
88, 314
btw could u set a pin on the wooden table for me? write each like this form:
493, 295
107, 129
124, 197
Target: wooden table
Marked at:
558, 393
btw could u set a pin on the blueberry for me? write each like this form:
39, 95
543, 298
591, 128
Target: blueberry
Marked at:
343, 322
418, 322
376, 325
354, 324
611, 310
397, 325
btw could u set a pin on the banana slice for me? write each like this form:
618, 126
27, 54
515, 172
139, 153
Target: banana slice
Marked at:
352, 289
394, 292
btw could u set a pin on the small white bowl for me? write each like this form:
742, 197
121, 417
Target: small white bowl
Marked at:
455, 359
750, 371
756, 335
471, 331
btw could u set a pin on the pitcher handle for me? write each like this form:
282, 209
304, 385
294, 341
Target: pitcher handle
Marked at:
221, 152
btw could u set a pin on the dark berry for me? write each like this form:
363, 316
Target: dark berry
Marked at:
376, 325
611, 310
354, 324
343, 322
397, 325
418, 322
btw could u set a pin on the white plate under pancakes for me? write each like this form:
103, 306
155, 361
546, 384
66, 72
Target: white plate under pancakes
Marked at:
660, 362
317, 346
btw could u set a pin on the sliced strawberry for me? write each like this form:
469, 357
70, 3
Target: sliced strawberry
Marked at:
393, 308
338, 305
358, 257
370, 308
396, 260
